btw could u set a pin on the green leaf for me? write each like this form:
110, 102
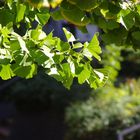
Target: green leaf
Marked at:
21, 41
24, 71
83, 29
112, 25
87, 5
5, 32
78, 45
56, 15
102, 76
6, 16
66, 75
58, 58
107, 12
43, 18
22, 44
14, 45
84, 74
69, 35
127, 19
37, 34
98, 78
87, 53
73, 14
20, 12
72, 65
116, 36
62, 46
5, 61
6, 72
107, 24
94, 47
49, 41
38, 56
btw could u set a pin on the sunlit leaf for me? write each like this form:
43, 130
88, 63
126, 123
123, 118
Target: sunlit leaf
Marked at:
6, 72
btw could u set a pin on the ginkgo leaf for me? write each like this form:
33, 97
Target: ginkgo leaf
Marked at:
70, 37
6, 72
73, 14
94, 47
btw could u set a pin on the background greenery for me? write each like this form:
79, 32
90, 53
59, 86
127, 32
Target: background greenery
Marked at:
106, 112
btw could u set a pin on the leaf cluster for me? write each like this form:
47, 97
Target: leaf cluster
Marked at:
21, 54
118, 19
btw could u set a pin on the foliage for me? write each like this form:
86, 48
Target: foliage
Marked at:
22, 52
118, 19
110, 109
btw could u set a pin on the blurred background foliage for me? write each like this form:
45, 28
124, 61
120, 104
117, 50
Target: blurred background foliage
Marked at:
106, 112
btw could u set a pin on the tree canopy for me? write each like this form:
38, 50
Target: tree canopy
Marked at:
22, 53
